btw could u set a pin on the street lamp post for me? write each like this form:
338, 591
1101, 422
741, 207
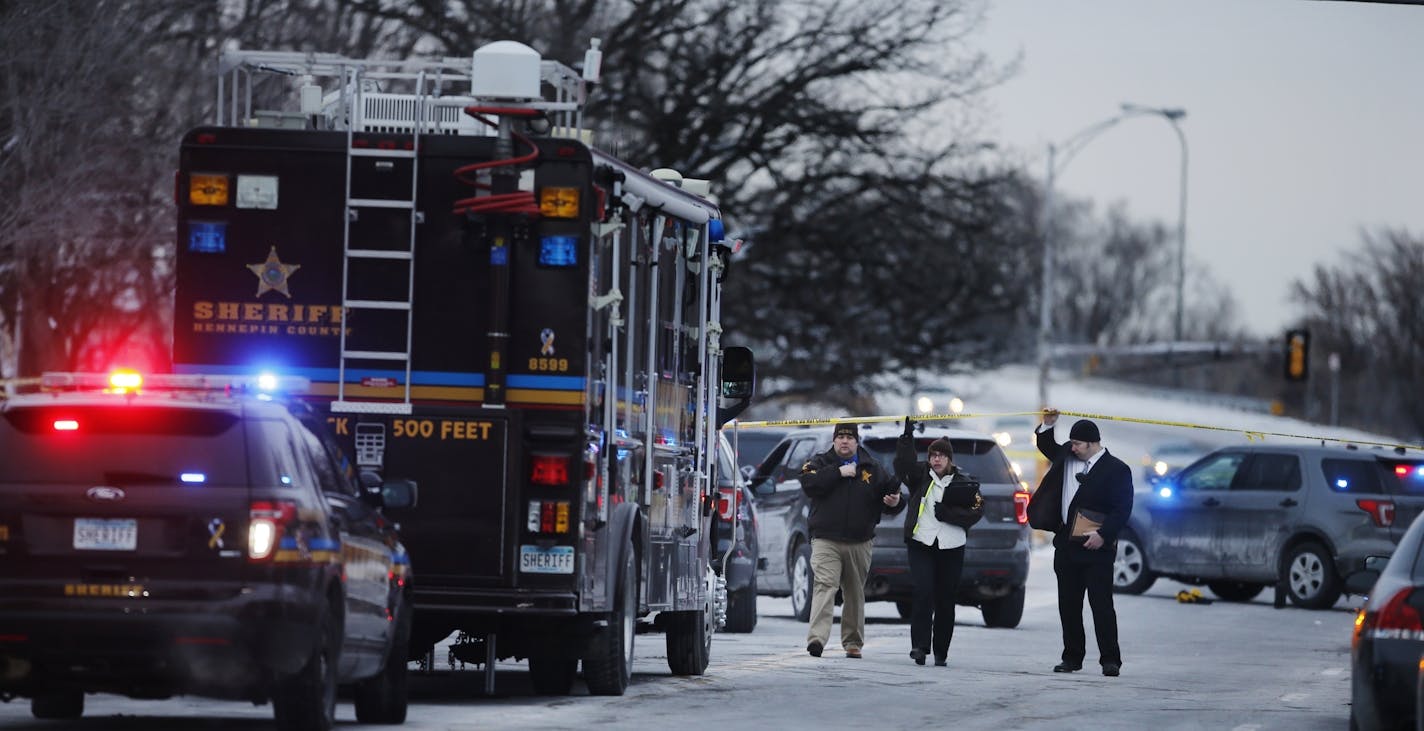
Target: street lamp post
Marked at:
1173, 116
1069, 148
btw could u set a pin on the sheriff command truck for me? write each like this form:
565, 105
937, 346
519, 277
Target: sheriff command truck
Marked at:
523, 325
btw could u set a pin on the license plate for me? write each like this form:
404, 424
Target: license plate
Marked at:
553, 560
103, 534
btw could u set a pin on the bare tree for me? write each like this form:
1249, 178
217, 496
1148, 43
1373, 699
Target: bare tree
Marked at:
1367, 310
88, 200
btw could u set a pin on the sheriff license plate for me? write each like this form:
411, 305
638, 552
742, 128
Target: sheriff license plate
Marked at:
104, 534
553, 560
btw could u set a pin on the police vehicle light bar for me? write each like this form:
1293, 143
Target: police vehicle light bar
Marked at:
127, 380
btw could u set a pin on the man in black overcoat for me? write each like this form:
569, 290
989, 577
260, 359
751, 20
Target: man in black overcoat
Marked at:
1091, 490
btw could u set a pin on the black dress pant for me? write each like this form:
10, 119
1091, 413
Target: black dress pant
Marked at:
1074, 579
935, 572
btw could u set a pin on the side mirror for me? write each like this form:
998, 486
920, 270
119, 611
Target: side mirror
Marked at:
738, 382
748, 472
738, 373
397, 494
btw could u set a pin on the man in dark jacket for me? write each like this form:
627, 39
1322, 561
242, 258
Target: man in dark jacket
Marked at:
849, 490
1085, 499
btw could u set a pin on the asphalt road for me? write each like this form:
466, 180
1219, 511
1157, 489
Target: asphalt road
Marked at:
1242, 667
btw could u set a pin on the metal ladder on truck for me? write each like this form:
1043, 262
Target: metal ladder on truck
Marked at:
395, 354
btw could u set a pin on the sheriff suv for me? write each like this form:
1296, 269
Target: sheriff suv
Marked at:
995, 558
176, 538
1300, 516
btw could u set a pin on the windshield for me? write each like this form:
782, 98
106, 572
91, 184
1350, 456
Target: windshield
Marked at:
979, 457
752, 445
128, 445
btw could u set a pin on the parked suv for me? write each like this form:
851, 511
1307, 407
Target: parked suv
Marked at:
158, 542
995, 559
737, 552
1244, 518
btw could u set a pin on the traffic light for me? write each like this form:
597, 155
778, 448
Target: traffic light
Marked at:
1297, 354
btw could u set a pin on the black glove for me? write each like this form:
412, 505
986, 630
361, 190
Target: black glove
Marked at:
909, 427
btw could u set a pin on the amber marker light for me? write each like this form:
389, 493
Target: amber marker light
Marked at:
555, 202
207, 189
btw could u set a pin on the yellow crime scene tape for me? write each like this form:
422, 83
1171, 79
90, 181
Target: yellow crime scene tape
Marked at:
1250, 434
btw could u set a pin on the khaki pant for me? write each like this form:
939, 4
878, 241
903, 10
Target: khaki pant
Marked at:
838, 565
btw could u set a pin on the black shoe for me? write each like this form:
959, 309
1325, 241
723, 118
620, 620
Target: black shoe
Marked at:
814, 647
941, 660
1064, 667
918, 655
1112, 669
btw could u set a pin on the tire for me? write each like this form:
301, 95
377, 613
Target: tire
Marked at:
904, 609
306, 700
552, 667
1235, 591
1004, 612
1131, 573
742, 609
384, 698
799, 572
59, 705
608, 657
1311, 581
689, 638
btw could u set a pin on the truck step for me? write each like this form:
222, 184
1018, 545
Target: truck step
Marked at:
374, 355
379, 203
379, 254
377, 304
370, 407
396, 154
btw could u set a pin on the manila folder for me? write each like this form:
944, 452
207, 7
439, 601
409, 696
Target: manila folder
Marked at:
1087, 521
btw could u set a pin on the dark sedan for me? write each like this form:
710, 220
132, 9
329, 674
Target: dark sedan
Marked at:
1389, 641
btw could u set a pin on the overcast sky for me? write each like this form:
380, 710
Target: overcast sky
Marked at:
1305, 123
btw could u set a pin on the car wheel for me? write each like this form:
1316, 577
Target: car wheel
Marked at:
801, 581
904, 609
741, 609
1235, 591
306, 701
1311, 581
1006, 611
689, 641
384, 698
1131, 574
58, 705
608, 658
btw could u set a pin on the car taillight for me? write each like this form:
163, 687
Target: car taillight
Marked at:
726, 503
1021, 507
1398, 619
1381, 511
546, 470
267, 521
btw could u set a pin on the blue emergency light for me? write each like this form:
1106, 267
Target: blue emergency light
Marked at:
558, 251
207, 237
